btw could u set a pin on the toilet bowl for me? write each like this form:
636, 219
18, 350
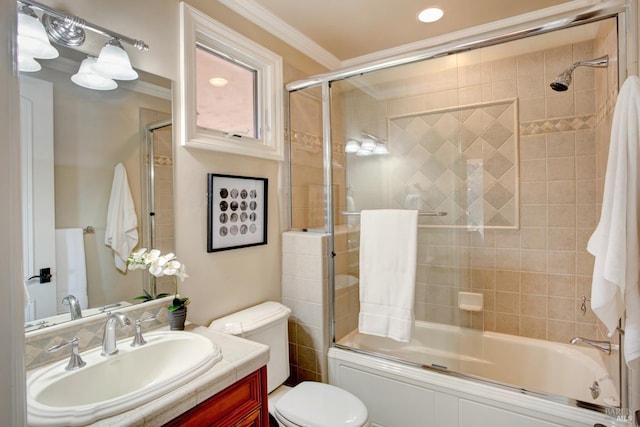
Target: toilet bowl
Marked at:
311, 404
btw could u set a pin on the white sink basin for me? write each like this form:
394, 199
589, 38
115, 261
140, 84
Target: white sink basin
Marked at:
110, 385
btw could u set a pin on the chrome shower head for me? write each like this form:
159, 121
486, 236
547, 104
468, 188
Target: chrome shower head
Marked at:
562, 82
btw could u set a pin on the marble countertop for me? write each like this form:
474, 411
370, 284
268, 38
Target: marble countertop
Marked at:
240, 357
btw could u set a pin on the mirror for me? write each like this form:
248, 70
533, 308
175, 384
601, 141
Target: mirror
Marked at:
77, 137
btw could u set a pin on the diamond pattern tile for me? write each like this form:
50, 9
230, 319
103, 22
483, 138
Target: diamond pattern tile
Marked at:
436, 149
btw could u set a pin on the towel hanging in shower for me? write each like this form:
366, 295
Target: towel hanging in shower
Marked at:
388, 248
121, 233
614, 242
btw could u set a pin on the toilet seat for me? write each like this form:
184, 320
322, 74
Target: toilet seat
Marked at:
313, 404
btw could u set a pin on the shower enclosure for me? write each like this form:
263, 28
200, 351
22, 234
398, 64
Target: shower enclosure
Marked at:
507, 174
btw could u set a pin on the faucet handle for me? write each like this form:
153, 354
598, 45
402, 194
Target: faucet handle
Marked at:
138, 339
75, 361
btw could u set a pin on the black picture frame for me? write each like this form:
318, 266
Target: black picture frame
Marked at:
236, 212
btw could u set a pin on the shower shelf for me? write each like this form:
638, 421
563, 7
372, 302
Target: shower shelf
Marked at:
436, 213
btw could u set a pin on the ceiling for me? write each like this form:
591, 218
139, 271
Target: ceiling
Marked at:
352, 28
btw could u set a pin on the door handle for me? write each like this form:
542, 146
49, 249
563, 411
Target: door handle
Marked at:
44, 276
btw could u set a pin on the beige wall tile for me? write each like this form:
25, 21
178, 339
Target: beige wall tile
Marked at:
533, 327
563, 262
534, 238
533, 283
561, 168
560, 331
561, 308
533, 305
561, 144
561, 285
507, 281
561, 239
562, 215
507, 323
533, 170
561, 192
533, 193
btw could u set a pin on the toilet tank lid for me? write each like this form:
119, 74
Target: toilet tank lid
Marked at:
250, 319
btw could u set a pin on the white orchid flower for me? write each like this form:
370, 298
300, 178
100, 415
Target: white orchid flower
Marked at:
156, 270
163, 260
151, 257
182, 273
137, 255
171, 267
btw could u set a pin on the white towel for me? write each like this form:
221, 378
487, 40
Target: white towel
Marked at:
71, 269
614, 243
121, 233
388, 246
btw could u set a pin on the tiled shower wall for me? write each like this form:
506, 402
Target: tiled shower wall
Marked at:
533, 278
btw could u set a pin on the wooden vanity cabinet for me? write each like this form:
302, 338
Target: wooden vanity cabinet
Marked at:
243, 404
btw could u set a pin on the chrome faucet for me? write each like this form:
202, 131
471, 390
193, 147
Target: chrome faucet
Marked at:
75, 362
74, 306
604, 346
109, 347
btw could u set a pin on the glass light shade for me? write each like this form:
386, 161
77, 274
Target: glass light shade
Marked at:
364, 153
113, 62
28, 64
87, 77
380, 149
368, 144
352, 146
32, 38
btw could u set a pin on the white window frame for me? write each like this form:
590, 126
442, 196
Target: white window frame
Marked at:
197, 27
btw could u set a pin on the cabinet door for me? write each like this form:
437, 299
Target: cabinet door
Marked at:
254, 419
241, 404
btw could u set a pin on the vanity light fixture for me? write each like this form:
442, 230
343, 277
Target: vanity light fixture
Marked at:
87, 77
370, 145
68, 30
431, 14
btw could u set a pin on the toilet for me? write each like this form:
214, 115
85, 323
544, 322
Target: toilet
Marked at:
311, 404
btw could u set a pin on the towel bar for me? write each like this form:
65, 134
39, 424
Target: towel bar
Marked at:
436, 213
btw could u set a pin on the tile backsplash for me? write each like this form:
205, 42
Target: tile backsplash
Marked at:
89, 331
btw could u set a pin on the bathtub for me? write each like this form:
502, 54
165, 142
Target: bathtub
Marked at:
502, 370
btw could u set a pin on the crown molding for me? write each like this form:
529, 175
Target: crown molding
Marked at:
285, 32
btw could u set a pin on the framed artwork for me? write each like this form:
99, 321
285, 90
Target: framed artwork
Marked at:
236, 212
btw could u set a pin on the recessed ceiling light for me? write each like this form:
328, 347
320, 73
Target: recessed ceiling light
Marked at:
218, 81
431, 14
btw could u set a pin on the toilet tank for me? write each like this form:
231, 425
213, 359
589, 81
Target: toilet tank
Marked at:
265, 323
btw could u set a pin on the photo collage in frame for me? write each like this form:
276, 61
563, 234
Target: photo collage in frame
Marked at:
237, 212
